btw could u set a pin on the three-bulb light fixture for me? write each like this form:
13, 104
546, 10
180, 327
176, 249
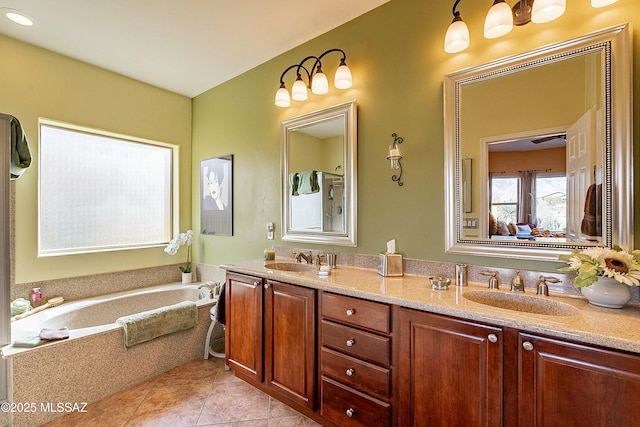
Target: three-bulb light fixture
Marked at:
501, 18
316, 80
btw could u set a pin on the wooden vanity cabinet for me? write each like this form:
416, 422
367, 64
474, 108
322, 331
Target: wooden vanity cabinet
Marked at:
355, 361
450, 371
271, 336
565, 384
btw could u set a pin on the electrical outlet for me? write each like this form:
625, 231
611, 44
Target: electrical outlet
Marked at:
270, 229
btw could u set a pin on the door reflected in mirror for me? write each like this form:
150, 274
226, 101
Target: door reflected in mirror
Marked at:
319, 177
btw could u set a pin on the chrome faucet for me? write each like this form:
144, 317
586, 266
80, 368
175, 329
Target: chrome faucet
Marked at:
517, 284
301, 255
542, 288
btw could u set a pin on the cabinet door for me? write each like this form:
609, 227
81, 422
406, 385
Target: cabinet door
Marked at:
243, 345
450, 372
290, 337
564, 384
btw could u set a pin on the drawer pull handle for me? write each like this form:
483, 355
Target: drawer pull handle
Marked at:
351, 342
350, 372
527, 346
350, 412
266, 286
493, 338
351, 311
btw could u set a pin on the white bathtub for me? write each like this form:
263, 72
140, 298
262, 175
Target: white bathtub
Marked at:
93, 363
96, 314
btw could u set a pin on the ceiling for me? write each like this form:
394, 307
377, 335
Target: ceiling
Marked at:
184, 46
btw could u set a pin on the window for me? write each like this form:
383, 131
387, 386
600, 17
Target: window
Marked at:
504, 199
100, 191
551, 202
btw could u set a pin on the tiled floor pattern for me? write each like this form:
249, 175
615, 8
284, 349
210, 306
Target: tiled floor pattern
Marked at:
199, 393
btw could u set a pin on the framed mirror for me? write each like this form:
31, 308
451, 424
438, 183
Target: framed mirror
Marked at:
548, 133
319, 177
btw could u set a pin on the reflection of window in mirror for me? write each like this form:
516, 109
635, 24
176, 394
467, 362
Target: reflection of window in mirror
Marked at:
528, 202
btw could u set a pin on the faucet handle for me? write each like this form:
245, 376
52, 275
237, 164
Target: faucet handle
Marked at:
493, 281
543, 288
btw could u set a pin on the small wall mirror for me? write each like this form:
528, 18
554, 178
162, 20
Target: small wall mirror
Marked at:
319, 176
549, 135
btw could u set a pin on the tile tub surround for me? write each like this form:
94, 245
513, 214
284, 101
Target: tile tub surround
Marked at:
88, 368
614, 328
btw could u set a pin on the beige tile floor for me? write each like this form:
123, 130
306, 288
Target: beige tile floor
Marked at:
198, 393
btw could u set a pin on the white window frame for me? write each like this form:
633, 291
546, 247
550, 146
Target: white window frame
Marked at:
173, 219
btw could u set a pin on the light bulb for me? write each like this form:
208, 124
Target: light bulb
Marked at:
499, 20
342, 79
602, 3
547, 10
299, 90
319, 84
457, 37
282, 97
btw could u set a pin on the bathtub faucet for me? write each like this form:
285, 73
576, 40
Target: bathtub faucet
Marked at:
213, 289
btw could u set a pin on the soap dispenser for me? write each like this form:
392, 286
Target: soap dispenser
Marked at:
517, 284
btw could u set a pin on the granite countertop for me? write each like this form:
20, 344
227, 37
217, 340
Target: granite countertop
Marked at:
614, 328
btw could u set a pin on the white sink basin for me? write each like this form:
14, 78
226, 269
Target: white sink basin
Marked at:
289, 266
521, 302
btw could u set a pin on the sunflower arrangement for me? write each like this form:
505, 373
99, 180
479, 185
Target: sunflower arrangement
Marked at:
591, 263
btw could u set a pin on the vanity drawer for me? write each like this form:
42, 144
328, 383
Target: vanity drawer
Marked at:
347, 407
361, 344
366, 314
356, 373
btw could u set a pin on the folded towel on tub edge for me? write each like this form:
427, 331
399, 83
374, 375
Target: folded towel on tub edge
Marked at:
148, 325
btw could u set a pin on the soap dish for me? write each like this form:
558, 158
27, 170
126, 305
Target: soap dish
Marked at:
440, 283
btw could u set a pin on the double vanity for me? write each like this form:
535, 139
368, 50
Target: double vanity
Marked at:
355, 348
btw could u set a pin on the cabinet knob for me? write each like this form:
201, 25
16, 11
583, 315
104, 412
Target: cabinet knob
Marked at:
493, 338
256, 283
350, 412
527, 346
351, 342
351, 311
350, 372
266, 286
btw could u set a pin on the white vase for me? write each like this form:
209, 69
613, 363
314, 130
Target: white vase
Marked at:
187, 277
607, 292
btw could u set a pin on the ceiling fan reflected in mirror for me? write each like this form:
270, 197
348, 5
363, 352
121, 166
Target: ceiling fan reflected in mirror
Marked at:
562, 136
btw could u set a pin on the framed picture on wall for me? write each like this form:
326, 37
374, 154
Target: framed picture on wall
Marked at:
216, 201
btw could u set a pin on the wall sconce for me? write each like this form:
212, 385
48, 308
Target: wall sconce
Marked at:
501, 18
394, 156
316, 79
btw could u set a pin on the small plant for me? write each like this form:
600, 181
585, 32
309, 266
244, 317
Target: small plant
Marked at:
591, 263
173, 246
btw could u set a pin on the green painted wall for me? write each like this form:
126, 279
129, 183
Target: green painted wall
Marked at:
396, 56
38, 83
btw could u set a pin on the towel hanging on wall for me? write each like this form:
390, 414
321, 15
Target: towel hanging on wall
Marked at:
20, 152
308, 182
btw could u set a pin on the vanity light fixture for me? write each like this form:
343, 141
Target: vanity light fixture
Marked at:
501, 18
316, 80
394, 156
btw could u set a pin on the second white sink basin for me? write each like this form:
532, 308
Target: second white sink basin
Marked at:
521, 302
